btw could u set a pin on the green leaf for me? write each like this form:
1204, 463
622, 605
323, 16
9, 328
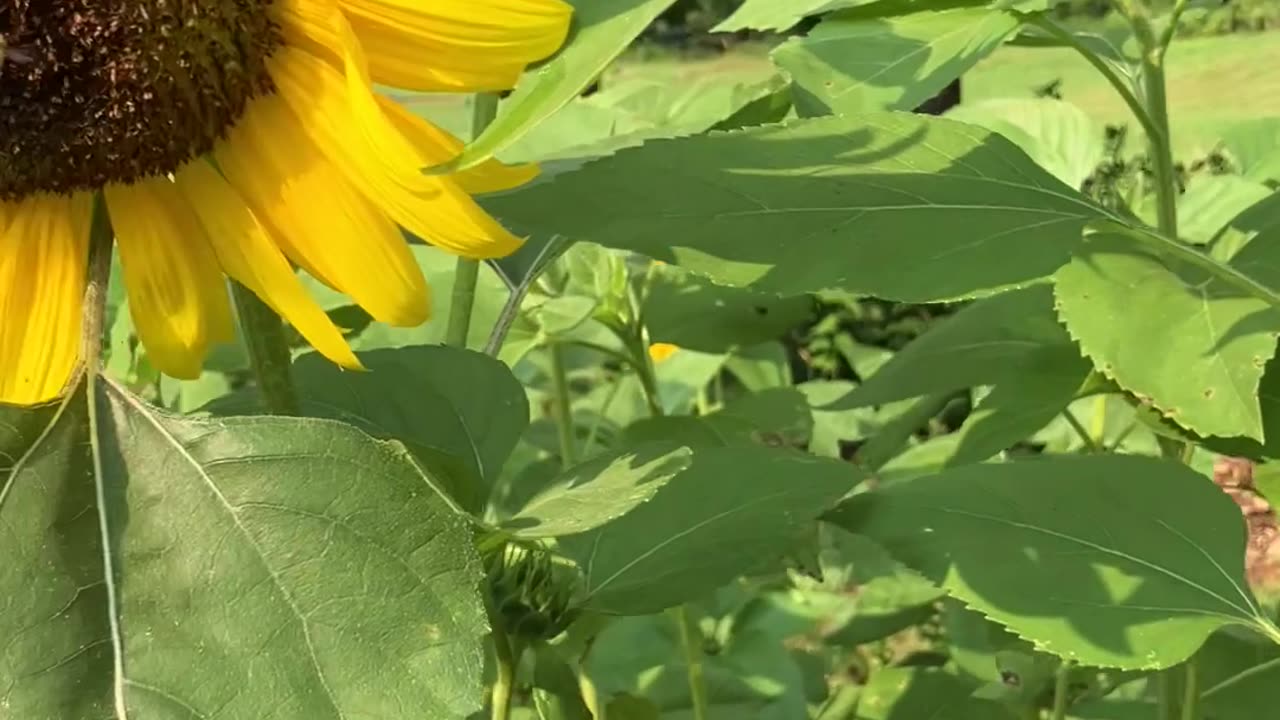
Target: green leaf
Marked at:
1059, 136
598, 491
905, 693
601, 30
979, 345
851, 64
760, 367
1260, 219
1238, 677
1210, 202
459, 412
1021, 404
686, 310
1255, 146
556, 694
1113, 561
1171, 333
160, 567
776, 416
835, 188
831, 425
711, 523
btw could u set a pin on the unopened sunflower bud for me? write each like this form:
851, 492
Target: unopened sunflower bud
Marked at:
532, 593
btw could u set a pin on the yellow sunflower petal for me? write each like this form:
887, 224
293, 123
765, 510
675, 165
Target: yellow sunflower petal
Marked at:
248, 254
436, 147
177, 295
43, 256
335, 114
320, 219
456, 45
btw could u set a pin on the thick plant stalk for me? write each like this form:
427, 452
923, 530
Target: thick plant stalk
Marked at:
268, 348
467, 272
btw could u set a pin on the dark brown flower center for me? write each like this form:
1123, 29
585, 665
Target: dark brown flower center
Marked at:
99, 91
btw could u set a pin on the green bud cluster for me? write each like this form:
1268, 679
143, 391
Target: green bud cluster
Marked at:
532, 594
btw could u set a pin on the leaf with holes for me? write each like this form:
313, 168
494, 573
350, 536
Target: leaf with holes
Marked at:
160, 567
1113, 561
1172, 333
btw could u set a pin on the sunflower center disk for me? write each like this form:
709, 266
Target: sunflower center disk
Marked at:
98, 91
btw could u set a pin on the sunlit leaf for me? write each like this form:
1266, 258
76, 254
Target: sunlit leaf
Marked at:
807, 206
851, 64
1113, 561
1172, 333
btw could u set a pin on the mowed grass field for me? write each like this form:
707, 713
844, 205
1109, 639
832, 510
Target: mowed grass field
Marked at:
1213, 82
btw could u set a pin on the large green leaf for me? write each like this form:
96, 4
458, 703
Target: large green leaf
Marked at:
728, 513
979, 345
852, 64
1059, 136
598, 491
1211, 202
1113, 561
459, 412
850, 203
601, 30
1172, 333
1260, 219
1255, 146
159, 567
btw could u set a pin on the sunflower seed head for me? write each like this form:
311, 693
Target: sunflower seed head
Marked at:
118, 90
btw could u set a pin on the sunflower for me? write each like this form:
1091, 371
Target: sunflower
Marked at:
239, 138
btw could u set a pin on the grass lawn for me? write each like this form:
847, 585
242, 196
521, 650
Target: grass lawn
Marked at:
1214, 81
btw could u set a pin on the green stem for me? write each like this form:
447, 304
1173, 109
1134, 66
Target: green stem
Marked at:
1166, 695
562, 405
505, 680
1156, 103
1168, 246
1117, 82
1098, 431
1060, 687
467, 272
1166, 37
841, 704
1191, 691
693, 662
466, 275
1089, 443
268, 348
